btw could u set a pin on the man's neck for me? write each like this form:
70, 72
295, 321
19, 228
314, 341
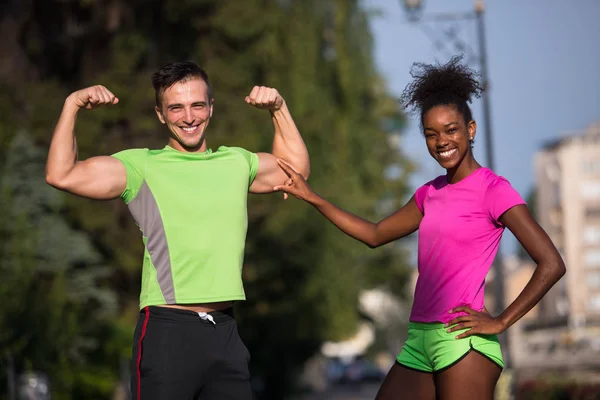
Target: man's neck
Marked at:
201, 148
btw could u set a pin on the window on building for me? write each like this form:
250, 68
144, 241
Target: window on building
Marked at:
593, 280
591, 167
552, 171
556, 217
556, 198
591, 259
591, 234
594, 303
590, 190
562, 305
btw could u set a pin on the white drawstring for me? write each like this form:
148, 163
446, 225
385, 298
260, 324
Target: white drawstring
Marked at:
206, 316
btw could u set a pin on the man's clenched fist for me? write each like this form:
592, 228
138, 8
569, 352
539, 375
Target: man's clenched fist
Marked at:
93, 97
265, 98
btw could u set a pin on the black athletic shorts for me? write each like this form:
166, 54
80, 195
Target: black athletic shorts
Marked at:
184, 355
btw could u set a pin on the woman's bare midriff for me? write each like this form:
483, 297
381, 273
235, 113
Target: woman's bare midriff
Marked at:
203, 307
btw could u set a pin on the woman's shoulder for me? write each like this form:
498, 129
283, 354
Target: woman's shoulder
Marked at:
490, 179
436, 183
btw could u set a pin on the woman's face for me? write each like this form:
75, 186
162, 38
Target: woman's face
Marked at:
447, 135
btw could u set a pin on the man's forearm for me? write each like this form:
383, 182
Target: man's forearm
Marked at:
62, 155
287, 142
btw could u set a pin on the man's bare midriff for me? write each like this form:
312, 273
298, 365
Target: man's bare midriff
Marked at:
202, 307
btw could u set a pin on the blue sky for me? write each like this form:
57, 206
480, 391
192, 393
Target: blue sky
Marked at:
544, 72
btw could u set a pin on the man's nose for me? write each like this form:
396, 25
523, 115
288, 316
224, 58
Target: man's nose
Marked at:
189, 116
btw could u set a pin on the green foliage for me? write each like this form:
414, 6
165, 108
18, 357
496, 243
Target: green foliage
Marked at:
53, 297
67, 255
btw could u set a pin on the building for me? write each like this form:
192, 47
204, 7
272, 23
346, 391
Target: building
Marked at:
563, 332
568, 208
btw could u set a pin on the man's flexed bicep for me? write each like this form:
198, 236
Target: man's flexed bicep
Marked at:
100, 178
95, 178
287, 141
269, 174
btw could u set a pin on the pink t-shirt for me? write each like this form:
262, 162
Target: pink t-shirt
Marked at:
458, 240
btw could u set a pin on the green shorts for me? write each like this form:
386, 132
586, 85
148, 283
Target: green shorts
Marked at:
429, 348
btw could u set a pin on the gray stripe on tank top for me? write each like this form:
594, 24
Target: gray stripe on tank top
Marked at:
144, 210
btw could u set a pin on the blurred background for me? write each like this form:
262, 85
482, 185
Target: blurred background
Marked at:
325, 316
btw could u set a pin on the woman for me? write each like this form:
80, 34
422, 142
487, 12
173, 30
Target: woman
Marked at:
452, 351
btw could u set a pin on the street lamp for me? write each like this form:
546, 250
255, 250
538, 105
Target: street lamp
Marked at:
442, 37
413, 9
414, 12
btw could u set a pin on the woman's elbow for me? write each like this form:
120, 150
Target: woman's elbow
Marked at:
558, 268
562, 269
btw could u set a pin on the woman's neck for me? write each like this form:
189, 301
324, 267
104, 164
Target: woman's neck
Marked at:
462, 170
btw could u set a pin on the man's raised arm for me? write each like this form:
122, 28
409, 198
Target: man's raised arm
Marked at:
101, 177
287, 142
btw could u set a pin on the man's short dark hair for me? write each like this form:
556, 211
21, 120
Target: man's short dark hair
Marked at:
170, 74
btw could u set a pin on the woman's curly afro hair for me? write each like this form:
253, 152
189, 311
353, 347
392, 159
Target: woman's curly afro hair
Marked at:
450, 84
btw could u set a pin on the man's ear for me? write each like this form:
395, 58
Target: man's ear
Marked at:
159, 114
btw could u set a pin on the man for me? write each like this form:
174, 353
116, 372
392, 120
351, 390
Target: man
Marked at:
191, 206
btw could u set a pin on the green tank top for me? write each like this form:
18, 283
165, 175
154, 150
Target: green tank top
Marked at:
192, 211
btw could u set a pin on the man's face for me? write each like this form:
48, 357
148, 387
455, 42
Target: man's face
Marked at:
186, 110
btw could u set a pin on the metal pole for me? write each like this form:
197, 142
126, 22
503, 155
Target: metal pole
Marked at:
489, 146
10, 375
487, 129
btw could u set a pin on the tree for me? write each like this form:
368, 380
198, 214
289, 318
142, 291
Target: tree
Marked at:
55, 301
302, 276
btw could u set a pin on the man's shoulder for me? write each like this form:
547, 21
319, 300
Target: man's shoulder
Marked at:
136, 154
235, 151
232, 149
136, 150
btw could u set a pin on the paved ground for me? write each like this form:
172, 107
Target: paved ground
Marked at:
346, 392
